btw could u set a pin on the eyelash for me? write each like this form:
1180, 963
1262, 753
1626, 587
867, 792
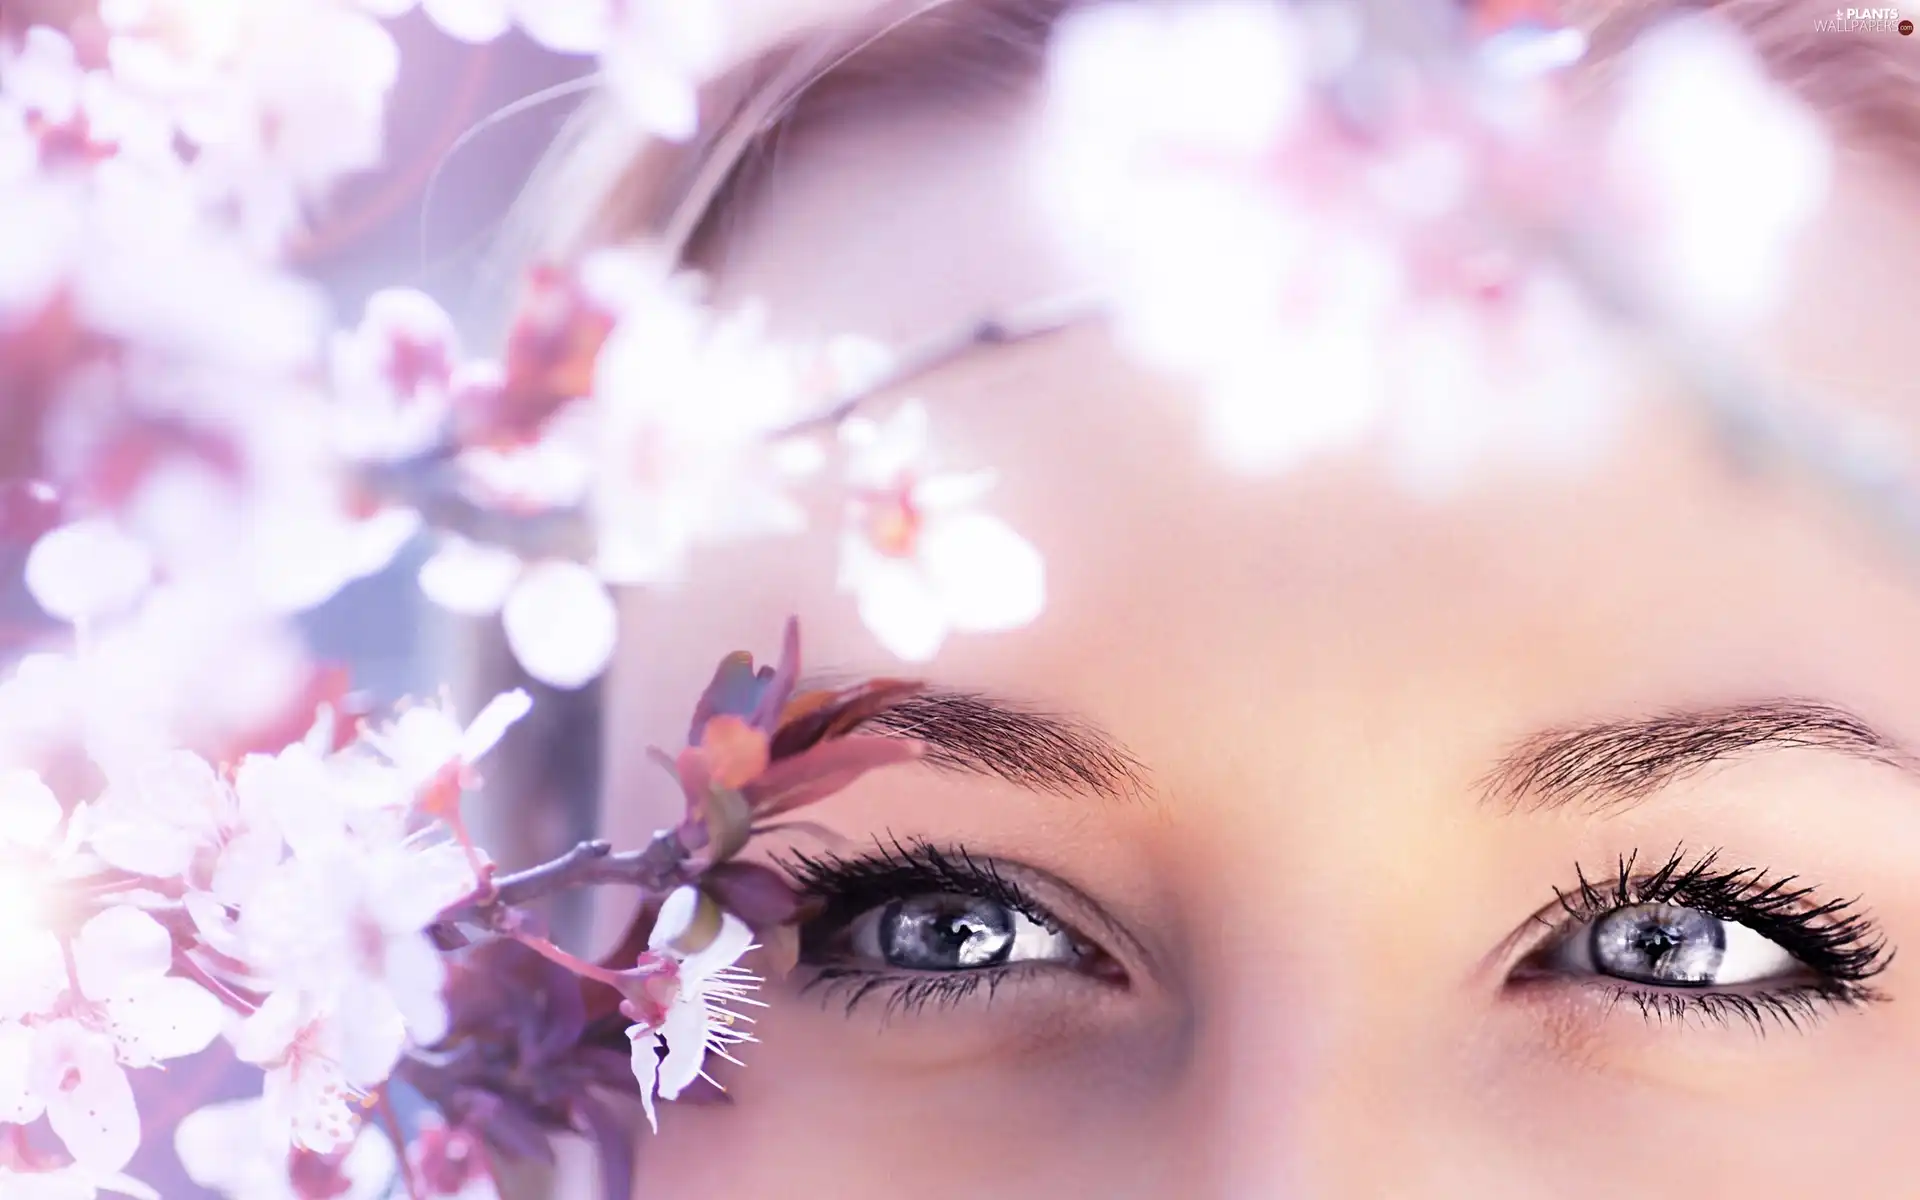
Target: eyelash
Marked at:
849, 887
1831, 938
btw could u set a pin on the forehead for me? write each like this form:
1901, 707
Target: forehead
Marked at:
1324, 600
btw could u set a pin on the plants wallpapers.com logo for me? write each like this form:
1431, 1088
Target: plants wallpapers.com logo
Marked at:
1865, 20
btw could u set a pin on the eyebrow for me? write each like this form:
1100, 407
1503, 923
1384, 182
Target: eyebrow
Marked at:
1609, 766
1600, 768
978, 734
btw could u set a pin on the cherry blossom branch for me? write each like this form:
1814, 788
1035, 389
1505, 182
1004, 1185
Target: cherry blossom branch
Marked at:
1027, 323
429, 482
657, 868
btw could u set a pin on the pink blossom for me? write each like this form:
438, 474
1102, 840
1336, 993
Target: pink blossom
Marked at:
688, 404
394, 376
33, 970
317, 1067
917, 555
128, 1012
233, 1148
280, 102
1208, 182
343, 928
449, 1163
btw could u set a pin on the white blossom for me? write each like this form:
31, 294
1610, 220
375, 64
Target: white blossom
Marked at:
345, 929
559, 619
917, 554
69, 1182
128, 1011
394, 376
317, 1067
280, 101
233, 1148
688, 408
684, 1006
33, 970
88, 569
1726, 166
430, 749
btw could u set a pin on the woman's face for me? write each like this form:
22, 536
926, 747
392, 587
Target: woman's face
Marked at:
1315, 923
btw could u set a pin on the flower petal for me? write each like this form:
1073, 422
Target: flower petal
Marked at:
561, 624
89, 568
168, 1018
734, 940
675, 915
646, 1068
267, 1035
468, 578
29, 811
472, 21
900, 608
492, 723
89, 1101
33, 965
416, 975
735, 751
217, 1144
990, 577
19, 1103
685, 1032
118, 948
823, 770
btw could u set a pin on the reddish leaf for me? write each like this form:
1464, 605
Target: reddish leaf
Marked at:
758, 895
734, 752
844, 712
825, 769
785, 677
735, 689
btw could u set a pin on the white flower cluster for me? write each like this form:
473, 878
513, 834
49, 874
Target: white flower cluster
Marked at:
1206, 161
283, 904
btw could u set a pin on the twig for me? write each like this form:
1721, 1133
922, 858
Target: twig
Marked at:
1027, 323
655, 868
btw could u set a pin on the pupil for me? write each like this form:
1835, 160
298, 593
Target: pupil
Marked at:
945, 933
1654, 943
1660, 943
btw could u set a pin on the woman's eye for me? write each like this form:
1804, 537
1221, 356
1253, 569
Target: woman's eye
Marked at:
1670, 946
952, 932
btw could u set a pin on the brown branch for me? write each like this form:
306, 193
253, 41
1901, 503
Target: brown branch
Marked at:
1028, 323
656, 869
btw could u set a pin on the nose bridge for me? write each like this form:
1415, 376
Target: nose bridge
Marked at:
1313, 1085
1332, 1025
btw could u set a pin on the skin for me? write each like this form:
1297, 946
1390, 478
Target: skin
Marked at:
1316, 672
